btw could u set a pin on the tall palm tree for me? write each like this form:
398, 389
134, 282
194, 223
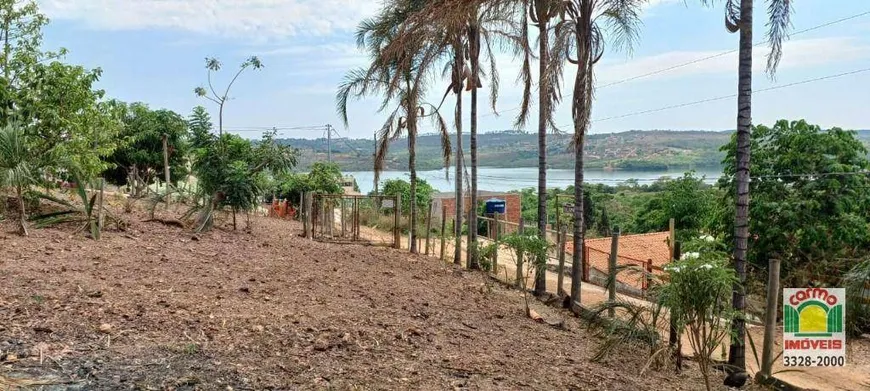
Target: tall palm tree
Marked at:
738, 18
462, 31
400, 79
580, 39
544, 13
15, 168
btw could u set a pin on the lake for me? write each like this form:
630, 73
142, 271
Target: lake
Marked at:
507, 179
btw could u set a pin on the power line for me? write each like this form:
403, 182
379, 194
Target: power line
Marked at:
702, 59
697, 102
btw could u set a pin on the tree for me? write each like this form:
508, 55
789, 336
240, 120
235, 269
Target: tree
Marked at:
232, 173
15, 167
200, 127
402, 187
542, 13
580, 40
687, 200
141, 159
213, 65
400, 78
810, 204
738, 18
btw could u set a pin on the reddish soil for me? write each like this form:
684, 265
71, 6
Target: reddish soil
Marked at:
271, 311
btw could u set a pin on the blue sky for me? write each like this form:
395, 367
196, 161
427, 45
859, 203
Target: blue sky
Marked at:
153, 51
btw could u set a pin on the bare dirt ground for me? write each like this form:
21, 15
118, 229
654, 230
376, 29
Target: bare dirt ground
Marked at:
853, 377
158, 308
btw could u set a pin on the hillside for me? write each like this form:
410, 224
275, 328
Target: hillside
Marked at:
634, 150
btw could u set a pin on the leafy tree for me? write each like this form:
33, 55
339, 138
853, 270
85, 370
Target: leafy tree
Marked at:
213, 65
200, 127
810, 203
323, 178
138, 162
233, 173
16, 170
402, 187
687, 200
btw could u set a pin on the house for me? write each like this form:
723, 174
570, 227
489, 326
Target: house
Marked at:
513, 207
648, 252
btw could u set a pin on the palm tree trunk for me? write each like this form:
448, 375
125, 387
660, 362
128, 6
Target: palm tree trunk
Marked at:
22, 213
543, 112
579, 238
737, 352
474, 43
412, 167
457, 226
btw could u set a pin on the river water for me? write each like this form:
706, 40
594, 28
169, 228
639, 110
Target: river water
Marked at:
507, 179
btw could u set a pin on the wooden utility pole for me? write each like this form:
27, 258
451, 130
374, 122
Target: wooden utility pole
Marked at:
166, 168
443, 226
770, 317
611, 291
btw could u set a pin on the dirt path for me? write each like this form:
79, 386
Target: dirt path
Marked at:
854, 377
158, 308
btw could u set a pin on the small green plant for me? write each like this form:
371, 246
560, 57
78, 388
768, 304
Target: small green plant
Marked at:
526, 243
38, 299
191, 349
857, 284
697, 293
87, 213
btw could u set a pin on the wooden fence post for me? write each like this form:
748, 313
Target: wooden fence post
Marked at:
443, 226
166, 169
343, 219
519, 277
397, 215
611, 290
495, 236
428, 228
770, 318
672, 237
648, 278
309, 216
99, 210
674, 340
561, 278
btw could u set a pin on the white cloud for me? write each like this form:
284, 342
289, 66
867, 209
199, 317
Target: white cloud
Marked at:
797, 53
261, 20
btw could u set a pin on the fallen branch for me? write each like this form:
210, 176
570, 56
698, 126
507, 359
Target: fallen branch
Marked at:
170, 222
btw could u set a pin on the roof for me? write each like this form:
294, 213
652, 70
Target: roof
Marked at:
639, 247
480, 193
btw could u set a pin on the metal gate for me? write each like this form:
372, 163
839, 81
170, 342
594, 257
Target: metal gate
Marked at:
343, 218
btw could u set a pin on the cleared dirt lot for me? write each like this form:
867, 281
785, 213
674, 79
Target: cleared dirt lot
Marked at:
268, 310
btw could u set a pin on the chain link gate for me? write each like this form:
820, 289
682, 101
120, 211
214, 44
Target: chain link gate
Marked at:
343, 218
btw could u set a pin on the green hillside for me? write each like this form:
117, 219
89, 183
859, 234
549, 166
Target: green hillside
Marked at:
631, 150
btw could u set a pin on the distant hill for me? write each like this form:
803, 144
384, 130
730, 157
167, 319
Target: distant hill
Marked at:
631, 150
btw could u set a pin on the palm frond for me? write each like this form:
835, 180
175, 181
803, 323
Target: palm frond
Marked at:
779, 21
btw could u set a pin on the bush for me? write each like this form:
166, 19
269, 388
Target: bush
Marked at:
697, 292
857, 283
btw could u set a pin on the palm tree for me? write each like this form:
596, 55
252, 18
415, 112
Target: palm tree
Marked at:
542, 13
399, 77
15, 168
738, 18
580, 39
